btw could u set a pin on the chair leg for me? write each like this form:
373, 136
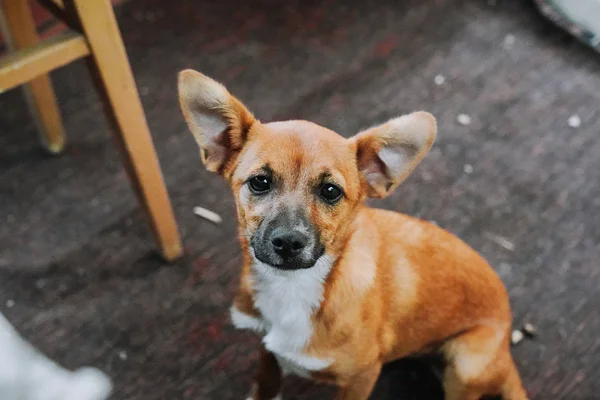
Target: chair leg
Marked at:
114, 79
18, 27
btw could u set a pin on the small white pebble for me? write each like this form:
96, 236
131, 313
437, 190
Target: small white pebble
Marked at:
574, 121
207, 214
468, 168
463, 119
529, 329
509, 41
10, 303
122, 355
516, 337
439, 80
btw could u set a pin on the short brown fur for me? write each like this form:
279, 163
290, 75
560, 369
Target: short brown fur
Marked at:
398, 286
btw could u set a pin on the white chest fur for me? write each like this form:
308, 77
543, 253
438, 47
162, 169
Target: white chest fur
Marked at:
287, 301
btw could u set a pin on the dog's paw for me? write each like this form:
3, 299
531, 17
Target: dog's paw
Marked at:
253, 395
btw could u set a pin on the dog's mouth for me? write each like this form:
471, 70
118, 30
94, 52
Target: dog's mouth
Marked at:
273, 261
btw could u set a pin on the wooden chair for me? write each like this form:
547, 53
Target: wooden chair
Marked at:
93, 34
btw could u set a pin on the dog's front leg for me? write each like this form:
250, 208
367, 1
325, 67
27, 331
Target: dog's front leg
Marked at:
268, 379
361, 385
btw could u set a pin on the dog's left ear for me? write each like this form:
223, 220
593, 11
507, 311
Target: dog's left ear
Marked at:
218, 121
387, 154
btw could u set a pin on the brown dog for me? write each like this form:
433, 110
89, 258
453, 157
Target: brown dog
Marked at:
336, 289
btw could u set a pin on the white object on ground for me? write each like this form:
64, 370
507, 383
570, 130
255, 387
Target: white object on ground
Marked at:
26, 374
439, 80
574, 121
463, 119
468, 168
516, 337
507, 244
10, 303
207, 214
509, 41
529, 330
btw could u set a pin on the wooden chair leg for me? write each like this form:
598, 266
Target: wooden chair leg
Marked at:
18, 27
116, 84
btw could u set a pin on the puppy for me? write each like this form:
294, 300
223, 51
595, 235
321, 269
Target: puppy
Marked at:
337, 289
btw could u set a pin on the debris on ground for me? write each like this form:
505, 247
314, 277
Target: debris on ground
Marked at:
208, 215
10, 303
529, 330
574, 121
516, 337
509, 41
439, 80
122, 355
468, 168
499, 240
463, 119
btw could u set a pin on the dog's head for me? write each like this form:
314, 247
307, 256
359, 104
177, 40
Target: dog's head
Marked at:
297, 185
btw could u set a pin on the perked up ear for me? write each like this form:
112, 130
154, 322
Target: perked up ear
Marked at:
387, 154
218, 121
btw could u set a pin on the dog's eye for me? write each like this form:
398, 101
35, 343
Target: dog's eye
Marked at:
260, 184
330, 193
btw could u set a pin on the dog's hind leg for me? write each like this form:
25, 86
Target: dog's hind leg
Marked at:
480, 364
512, 388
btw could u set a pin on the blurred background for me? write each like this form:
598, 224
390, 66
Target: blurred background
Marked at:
515, 172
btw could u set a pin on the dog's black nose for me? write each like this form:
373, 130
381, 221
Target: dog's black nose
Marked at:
288, 243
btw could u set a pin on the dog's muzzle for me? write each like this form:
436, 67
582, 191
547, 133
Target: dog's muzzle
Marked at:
287, 241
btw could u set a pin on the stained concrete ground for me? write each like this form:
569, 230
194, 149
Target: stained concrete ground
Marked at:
518, 183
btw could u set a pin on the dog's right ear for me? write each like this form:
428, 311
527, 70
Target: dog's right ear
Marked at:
219, 122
